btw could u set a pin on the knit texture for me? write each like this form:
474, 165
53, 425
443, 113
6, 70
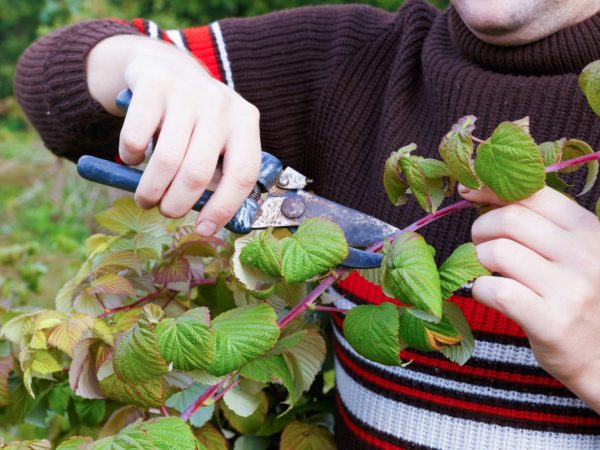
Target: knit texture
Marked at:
339, 89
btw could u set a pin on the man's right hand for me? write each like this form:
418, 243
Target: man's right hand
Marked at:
199, 119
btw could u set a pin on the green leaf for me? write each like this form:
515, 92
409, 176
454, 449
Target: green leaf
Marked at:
151, 394
415, 176
410, 274
598, 208
243, 398
119, 419
574, 148
551, 151
75, 443
510, 163
460, 353
137, 358
186, 342
456, 149
242, 335
394, 184
90, 412
217, 297
427, 336
589, 83
211, 437
182, 400
263, 253
309, 355
250, 278
318, 246
247, 425
372, 275
42, 362
461, 267
125, 216
372, 330
305, 436
268, 369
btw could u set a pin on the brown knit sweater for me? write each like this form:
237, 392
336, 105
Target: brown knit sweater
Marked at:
339, 88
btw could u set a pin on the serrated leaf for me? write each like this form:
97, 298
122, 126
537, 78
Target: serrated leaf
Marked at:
19, 326
90, 412
241, 335
305, 436
461, 267
460, 353
182, 400
137, 358
111, 283
41, 362
175, 270
42, 444
186, 342
574, 148
410, 274
69, 331
309, 355
250, 279
116, 261
242, 398
125, 216
82, 372
372, 275
6, 365
372, 330
589, 83
456, 149
247, 425
551, 151
211, 437
119, 419
427, 336
510, 164
290, 293
151, 394
263, 253
65, 295
394, 184
317, 246
415, 176
195, 245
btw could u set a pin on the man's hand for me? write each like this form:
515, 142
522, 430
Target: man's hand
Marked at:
547, 249
200, 119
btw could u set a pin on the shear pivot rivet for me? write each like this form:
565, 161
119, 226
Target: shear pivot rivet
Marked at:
293, 207
283, 181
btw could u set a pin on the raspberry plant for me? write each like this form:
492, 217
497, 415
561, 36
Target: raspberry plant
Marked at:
164, 339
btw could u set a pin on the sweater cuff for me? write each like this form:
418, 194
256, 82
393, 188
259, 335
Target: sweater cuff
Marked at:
51, 86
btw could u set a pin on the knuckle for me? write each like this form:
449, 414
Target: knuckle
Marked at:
133, 142
500, 251
510, 217
246, 180
146, 200
503, 296
171, 211
166, 161
196, 180
224, 214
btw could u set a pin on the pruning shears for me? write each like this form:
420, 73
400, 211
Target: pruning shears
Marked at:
279, 199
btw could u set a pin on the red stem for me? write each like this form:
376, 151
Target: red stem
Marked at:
164, 411
227, 389
189, 412
573, 162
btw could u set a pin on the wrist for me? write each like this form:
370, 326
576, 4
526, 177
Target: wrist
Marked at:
585, 384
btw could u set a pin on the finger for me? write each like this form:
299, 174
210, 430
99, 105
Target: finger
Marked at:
517, 223
195, 172
141, 122
241, 165
167, 157
512, 299
513, 260
547, 202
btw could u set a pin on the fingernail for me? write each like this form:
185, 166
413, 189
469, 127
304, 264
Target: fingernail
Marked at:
206, 228
463, 189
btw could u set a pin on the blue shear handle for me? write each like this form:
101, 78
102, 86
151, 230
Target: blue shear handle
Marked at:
127, 178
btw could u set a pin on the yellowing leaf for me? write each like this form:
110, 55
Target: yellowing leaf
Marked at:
251, 423
116, 261
151, 394
589, 83
427, 336
125, 216
82, 372
456, 149
410, 274
6, 365
119, 419
393, 182
317, 246
305, 436
574, 148
510, 164
41, 362
372, 330
243, 399
111, 283
174, 270
211, 437
65, 335
241, 335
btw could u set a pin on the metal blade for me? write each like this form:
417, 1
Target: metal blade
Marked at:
361, 230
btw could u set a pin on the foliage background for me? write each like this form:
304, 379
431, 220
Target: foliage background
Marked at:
45, 209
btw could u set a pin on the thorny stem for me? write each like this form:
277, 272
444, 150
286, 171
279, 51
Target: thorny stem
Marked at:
153, 296
329, 280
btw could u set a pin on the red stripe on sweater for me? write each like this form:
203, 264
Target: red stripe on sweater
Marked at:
139, 24
462, 404
360, 433
202, 46
480, 317
407, 355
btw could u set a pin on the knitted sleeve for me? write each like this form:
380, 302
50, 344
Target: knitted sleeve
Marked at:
277, 62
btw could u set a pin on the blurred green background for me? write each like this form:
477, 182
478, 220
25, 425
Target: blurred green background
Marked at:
45, 209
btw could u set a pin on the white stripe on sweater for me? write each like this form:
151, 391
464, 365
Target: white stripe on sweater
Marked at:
152, 30
177, 39
405, 373
216, 29
420, 426
490, 351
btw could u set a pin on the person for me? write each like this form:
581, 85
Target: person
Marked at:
338, 88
